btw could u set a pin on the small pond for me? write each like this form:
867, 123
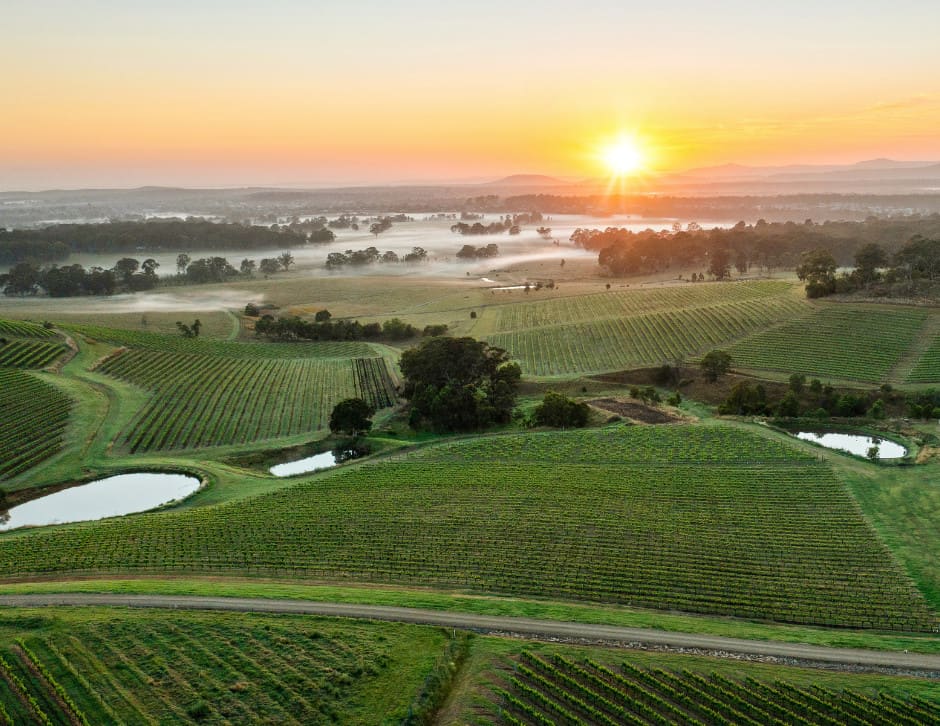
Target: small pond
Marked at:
110, 497
316, 462
857, 444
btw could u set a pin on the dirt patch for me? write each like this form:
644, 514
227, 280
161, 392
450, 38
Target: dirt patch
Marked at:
636, 411
928, 453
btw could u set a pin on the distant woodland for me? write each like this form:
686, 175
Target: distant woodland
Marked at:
56, 243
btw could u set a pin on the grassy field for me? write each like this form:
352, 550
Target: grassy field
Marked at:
862, 343
741, 526
33, 417
97, 666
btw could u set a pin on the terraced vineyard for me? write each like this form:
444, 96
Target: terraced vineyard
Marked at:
33, 417
838, 341
739, 529
209, 400
645, 339
551, 689
927, 369
586, 308
186, 667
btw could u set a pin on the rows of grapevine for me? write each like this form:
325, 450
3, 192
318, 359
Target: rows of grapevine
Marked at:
34, 415
552, 689
24, 353
927, 368
207, 400
24, 329
732, 536
611, 344
219, 669
838, 341
585, 308
227, 349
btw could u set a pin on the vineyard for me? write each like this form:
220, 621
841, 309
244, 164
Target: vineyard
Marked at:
738, 530
23, 329
29, 353
927, 369
854, 343
589, 308
610, 344
210, 400
185, 667
552, 689
245, 351
33, 418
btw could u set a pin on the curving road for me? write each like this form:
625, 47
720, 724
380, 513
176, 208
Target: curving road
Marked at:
928, 665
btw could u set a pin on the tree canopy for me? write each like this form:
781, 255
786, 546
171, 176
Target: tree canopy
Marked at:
559, 411
351, 416
459, 384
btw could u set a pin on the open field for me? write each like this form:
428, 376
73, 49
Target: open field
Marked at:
33, 417
103, 666
838, 341
783, 540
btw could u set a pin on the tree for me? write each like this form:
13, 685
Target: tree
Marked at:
321, 316
189, 331
182, 262
868, 259
459, 384
715, 364
797, 382
789, 406
286, 259
817, 269
719, 263
560, 411
247, 267
149, 267
351, 417
125, 267
269, 266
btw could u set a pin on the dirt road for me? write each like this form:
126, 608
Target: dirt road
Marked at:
539, 629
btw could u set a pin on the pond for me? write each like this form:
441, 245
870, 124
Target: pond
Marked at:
857, 444
324, 460
109, 497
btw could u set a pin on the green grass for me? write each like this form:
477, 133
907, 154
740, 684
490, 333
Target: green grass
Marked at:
143, 667
549, 687
764, 539
615, 343
861, 343
33, 417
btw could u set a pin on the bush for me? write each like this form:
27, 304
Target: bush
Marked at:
252, 310
561, 412
433, 331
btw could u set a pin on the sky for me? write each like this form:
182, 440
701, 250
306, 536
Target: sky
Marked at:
123, 93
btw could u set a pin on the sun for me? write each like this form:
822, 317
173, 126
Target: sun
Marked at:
623, 156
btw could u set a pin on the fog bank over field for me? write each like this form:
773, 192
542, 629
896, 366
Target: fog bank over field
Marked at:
432, 235
145, 302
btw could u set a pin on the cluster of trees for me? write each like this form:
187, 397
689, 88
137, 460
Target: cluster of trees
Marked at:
814, 400
55, 243
218, 269
561, 412
917, 261
511, 223
324, 328
469, 252
371, 255
459, 384
127, 275
765, 245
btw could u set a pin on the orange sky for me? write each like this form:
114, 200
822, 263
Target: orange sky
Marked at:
124, 93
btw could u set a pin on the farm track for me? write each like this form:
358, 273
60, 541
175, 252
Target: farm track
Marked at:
846, 658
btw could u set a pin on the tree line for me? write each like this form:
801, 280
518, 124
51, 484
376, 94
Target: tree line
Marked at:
55, 243
371, 255
323, 327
